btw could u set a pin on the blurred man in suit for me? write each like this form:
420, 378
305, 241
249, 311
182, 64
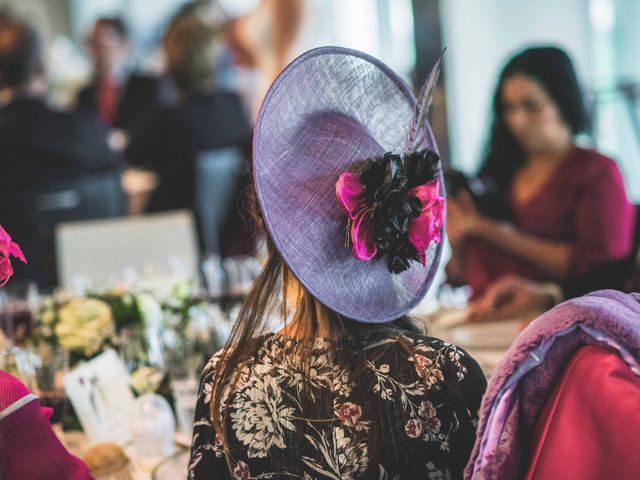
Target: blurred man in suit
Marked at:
48, 159
122, 99
37, 143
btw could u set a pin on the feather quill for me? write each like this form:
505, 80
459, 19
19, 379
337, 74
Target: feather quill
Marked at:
422, 106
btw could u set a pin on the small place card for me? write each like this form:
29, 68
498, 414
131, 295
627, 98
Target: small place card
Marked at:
100, 395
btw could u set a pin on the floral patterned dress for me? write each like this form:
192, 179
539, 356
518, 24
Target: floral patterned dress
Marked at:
383, 408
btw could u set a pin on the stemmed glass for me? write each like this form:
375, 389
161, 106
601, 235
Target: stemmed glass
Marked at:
51, 364
141, 352
18, 307
42, 369
153, 423
185, 362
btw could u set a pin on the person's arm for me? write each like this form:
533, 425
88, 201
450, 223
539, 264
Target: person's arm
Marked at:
552, 257
602, 229
513, 296
454, 268
90, 143
604, 220
149, 143
464, 222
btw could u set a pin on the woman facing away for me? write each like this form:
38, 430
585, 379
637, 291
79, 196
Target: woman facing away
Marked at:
350, 192
568, 207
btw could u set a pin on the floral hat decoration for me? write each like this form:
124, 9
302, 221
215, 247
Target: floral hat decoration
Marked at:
348, 178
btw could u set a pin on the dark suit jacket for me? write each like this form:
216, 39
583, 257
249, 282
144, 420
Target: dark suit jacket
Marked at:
174, 136
39, 144
139, 97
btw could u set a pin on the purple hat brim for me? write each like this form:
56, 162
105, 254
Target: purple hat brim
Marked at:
329, 108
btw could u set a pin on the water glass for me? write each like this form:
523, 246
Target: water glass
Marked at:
51, 365
19, 302
143, 356
153, 426
185, 395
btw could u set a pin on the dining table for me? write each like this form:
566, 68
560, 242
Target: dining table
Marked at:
169, 467
486, 341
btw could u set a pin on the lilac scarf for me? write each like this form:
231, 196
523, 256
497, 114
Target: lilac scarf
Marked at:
525, 378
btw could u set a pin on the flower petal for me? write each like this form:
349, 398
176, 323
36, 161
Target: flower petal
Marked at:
6, 270
362, 236
16, 251
5, 242
351, 193
426, 227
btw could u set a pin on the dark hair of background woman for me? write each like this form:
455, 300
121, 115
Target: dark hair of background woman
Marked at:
553, 69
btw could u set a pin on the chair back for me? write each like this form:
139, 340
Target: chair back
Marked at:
523, 384
219, 179
161, 246
32, 216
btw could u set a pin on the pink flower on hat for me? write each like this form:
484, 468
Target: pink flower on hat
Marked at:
422, 230
8, 248
426, 227
351, 194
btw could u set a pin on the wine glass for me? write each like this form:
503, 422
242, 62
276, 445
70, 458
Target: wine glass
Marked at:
18, 306
51, 364
42, 369
185, 362
153, 423
141, 351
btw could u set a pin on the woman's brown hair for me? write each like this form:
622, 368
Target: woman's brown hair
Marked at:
189, 47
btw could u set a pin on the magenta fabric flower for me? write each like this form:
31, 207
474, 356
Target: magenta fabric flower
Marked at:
8, 248
351, 194
422, 230
426, 227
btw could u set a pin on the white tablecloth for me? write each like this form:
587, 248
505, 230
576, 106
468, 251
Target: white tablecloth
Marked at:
487, 342
172, 467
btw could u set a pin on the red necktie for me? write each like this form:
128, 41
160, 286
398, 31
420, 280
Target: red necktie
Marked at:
107, 100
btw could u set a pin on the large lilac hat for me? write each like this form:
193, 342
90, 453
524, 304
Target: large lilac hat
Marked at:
331, 115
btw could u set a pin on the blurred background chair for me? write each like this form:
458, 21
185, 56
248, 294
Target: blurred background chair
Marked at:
220, 177
33, 215
158, 247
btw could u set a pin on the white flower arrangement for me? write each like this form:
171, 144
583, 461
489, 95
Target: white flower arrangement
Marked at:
82, 325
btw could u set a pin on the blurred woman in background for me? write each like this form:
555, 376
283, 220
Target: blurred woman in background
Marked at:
567, 205
206, 118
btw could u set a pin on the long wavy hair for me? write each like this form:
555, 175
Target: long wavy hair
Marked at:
277, 297
553, 69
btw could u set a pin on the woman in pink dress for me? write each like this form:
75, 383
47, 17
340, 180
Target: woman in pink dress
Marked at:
567, 206
29, 449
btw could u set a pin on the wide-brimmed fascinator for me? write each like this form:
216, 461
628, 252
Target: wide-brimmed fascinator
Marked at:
348, 178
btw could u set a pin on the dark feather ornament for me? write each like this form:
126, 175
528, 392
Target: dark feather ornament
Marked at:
387, 181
